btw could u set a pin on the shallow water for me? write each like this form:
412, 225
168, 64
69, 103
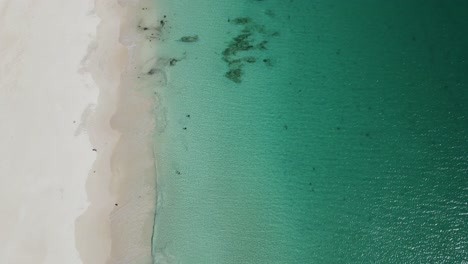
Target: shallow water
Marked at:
312, 132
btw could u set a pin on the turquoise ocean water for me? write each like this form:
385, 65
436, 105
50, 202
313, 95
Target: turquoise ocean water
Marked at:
310, 131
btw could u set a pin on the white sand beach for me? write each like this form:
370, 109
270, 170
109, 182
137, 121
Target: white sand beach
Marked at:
76, 173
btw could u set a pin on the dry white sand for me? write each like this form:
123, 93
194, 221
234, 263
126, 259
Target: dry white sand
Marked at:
61, 96
43, 163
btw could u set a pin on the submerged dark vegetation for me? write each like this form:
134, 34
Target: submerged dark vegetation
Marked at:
242, 48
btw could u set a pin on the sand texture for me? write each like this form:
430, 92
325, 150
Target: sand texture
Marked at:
46, 154
77, 178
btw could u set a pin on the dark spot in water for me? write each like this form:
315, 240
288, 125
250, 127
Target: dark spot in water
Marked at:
177, 172
234, 63
173, 62
285, 127
262, 45
270, 13
188, 116
151, 72
250, 59
242, 20
116, 204
145, 28
184, 128
95, 150
234, 75
267, 62
338, 128
367, 134
227, 52
189, 38
242, 37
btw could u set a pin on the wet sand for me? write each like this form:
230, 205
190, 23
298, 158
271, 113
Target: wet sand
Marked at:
122, 125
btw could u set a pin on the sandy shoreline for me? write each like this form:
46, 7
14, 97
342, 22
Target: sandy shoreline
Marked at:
77, 168
132, 174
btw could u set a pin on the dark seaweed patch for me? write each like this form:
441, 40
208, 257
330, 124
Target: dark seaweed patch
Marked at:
246, 41
173, 62
275, 34
262, 45
242, 37
241, 20
270, 13
189, 38
234, 75
268, 62
235, 63
250, 59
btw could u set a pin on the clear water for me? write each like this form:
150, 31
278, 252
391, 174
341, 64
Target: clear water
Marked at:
313, 132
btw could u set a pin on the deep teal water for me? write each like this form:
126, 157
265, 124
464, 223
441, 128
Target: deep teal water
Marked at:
345, 141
